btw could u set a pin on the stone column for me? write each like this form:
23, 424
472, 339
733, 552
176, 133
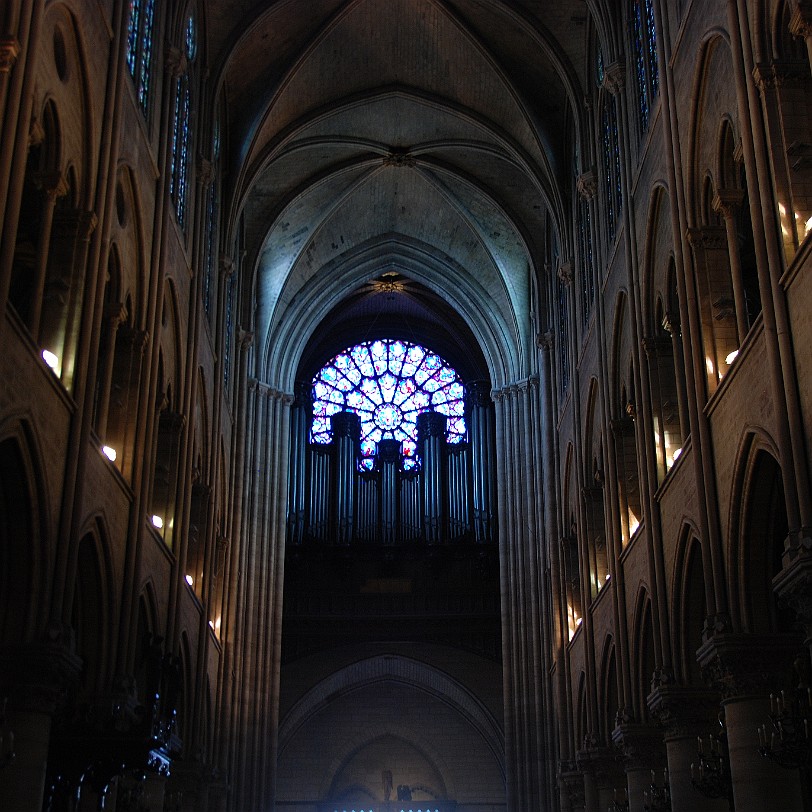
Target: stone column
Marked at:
643, 754
36, 678
686, 713
727, 202
744, 668
571, 781
800, 24
602, 776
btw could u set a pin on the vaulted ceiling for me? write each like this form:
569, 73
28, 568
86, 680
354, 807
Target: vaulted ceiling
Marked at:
423, 138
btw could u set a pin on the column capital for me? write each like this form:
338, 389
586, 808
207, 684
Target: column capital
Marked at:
565, 272
37, 676
544, 341
775, 74
794, 583
800, 23
175, 62
9, 51
614, 77
742, 665
227, 266
641, 746
727, 202
205, 172
657, 346
114, 314
479, 393
684, 712
707, 238
246, 339
571, 779
587, 184
52, 184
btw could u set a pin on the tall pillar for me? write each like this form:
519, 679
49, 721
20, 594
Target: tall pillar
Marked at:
800, 24
686, 714
36, 678
745, 668
643, 755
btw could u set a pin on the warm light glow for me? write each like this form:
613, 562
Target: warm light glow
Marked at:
50, 359
731, 357
217, 625
634, 523
157, 521
190, 580
808, 226
709, 365
608, 575
109, 452
677, 452
782, 209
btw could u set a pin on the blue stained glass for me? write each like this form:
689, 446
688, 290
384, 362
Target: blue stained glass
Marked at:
211, 217
388, 384
607, 167
651, 41
640, 65
139, 48
191, 38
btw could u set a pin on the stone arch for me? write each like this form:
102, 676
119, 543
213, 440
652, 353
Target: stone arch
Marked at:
758, 529
690, 608
24, 560
505, 350
644, 653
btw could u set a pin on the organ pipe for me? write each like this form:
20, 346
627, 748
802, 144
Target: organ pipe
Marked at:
431, 427
389, 460
346, 427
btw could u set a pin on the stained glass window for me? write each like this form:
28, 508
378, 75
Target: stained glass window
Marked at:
387, 383
587, 260
139, 48
563, 336
179, 169
644, 41
611, 164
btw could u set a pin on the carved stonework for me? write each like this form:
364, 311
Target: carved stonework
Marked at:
727, 202
205, 172
36, 677
776, 75
565, 272
707, 238
176, 62
246, 339
614, 77
571, 780
683, 711
544, 341
800, 24
741, 665
227, 266
9, 51
657, 346
640, 746
399, 157
602, 763
587, 185
794, 583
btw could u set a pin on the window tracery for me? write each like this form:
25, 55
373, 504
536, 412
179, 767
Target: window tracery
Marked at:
139, 48
644, 41
179, 168
388, 383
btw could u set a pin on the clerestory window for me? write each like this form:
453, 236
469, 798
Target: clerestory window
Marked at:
388, 383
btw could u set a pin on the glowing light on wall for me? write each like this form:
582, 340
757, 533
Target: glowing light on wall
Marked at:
109, 452
51, 359
157, 521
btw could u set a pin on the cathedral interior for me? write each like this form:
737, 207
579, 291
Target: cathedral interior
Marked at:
405, 405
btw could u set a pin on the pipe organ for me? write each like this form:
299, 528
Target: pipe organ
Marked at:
444, 493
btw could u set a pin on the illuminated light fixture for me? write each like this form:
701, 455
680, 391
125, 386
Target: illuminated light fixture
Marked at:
634, 523
190, 580
211, 623
157, 521
578, 621
50, 359
808, 226
608, 576
677, 452
731, 357
109, 452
